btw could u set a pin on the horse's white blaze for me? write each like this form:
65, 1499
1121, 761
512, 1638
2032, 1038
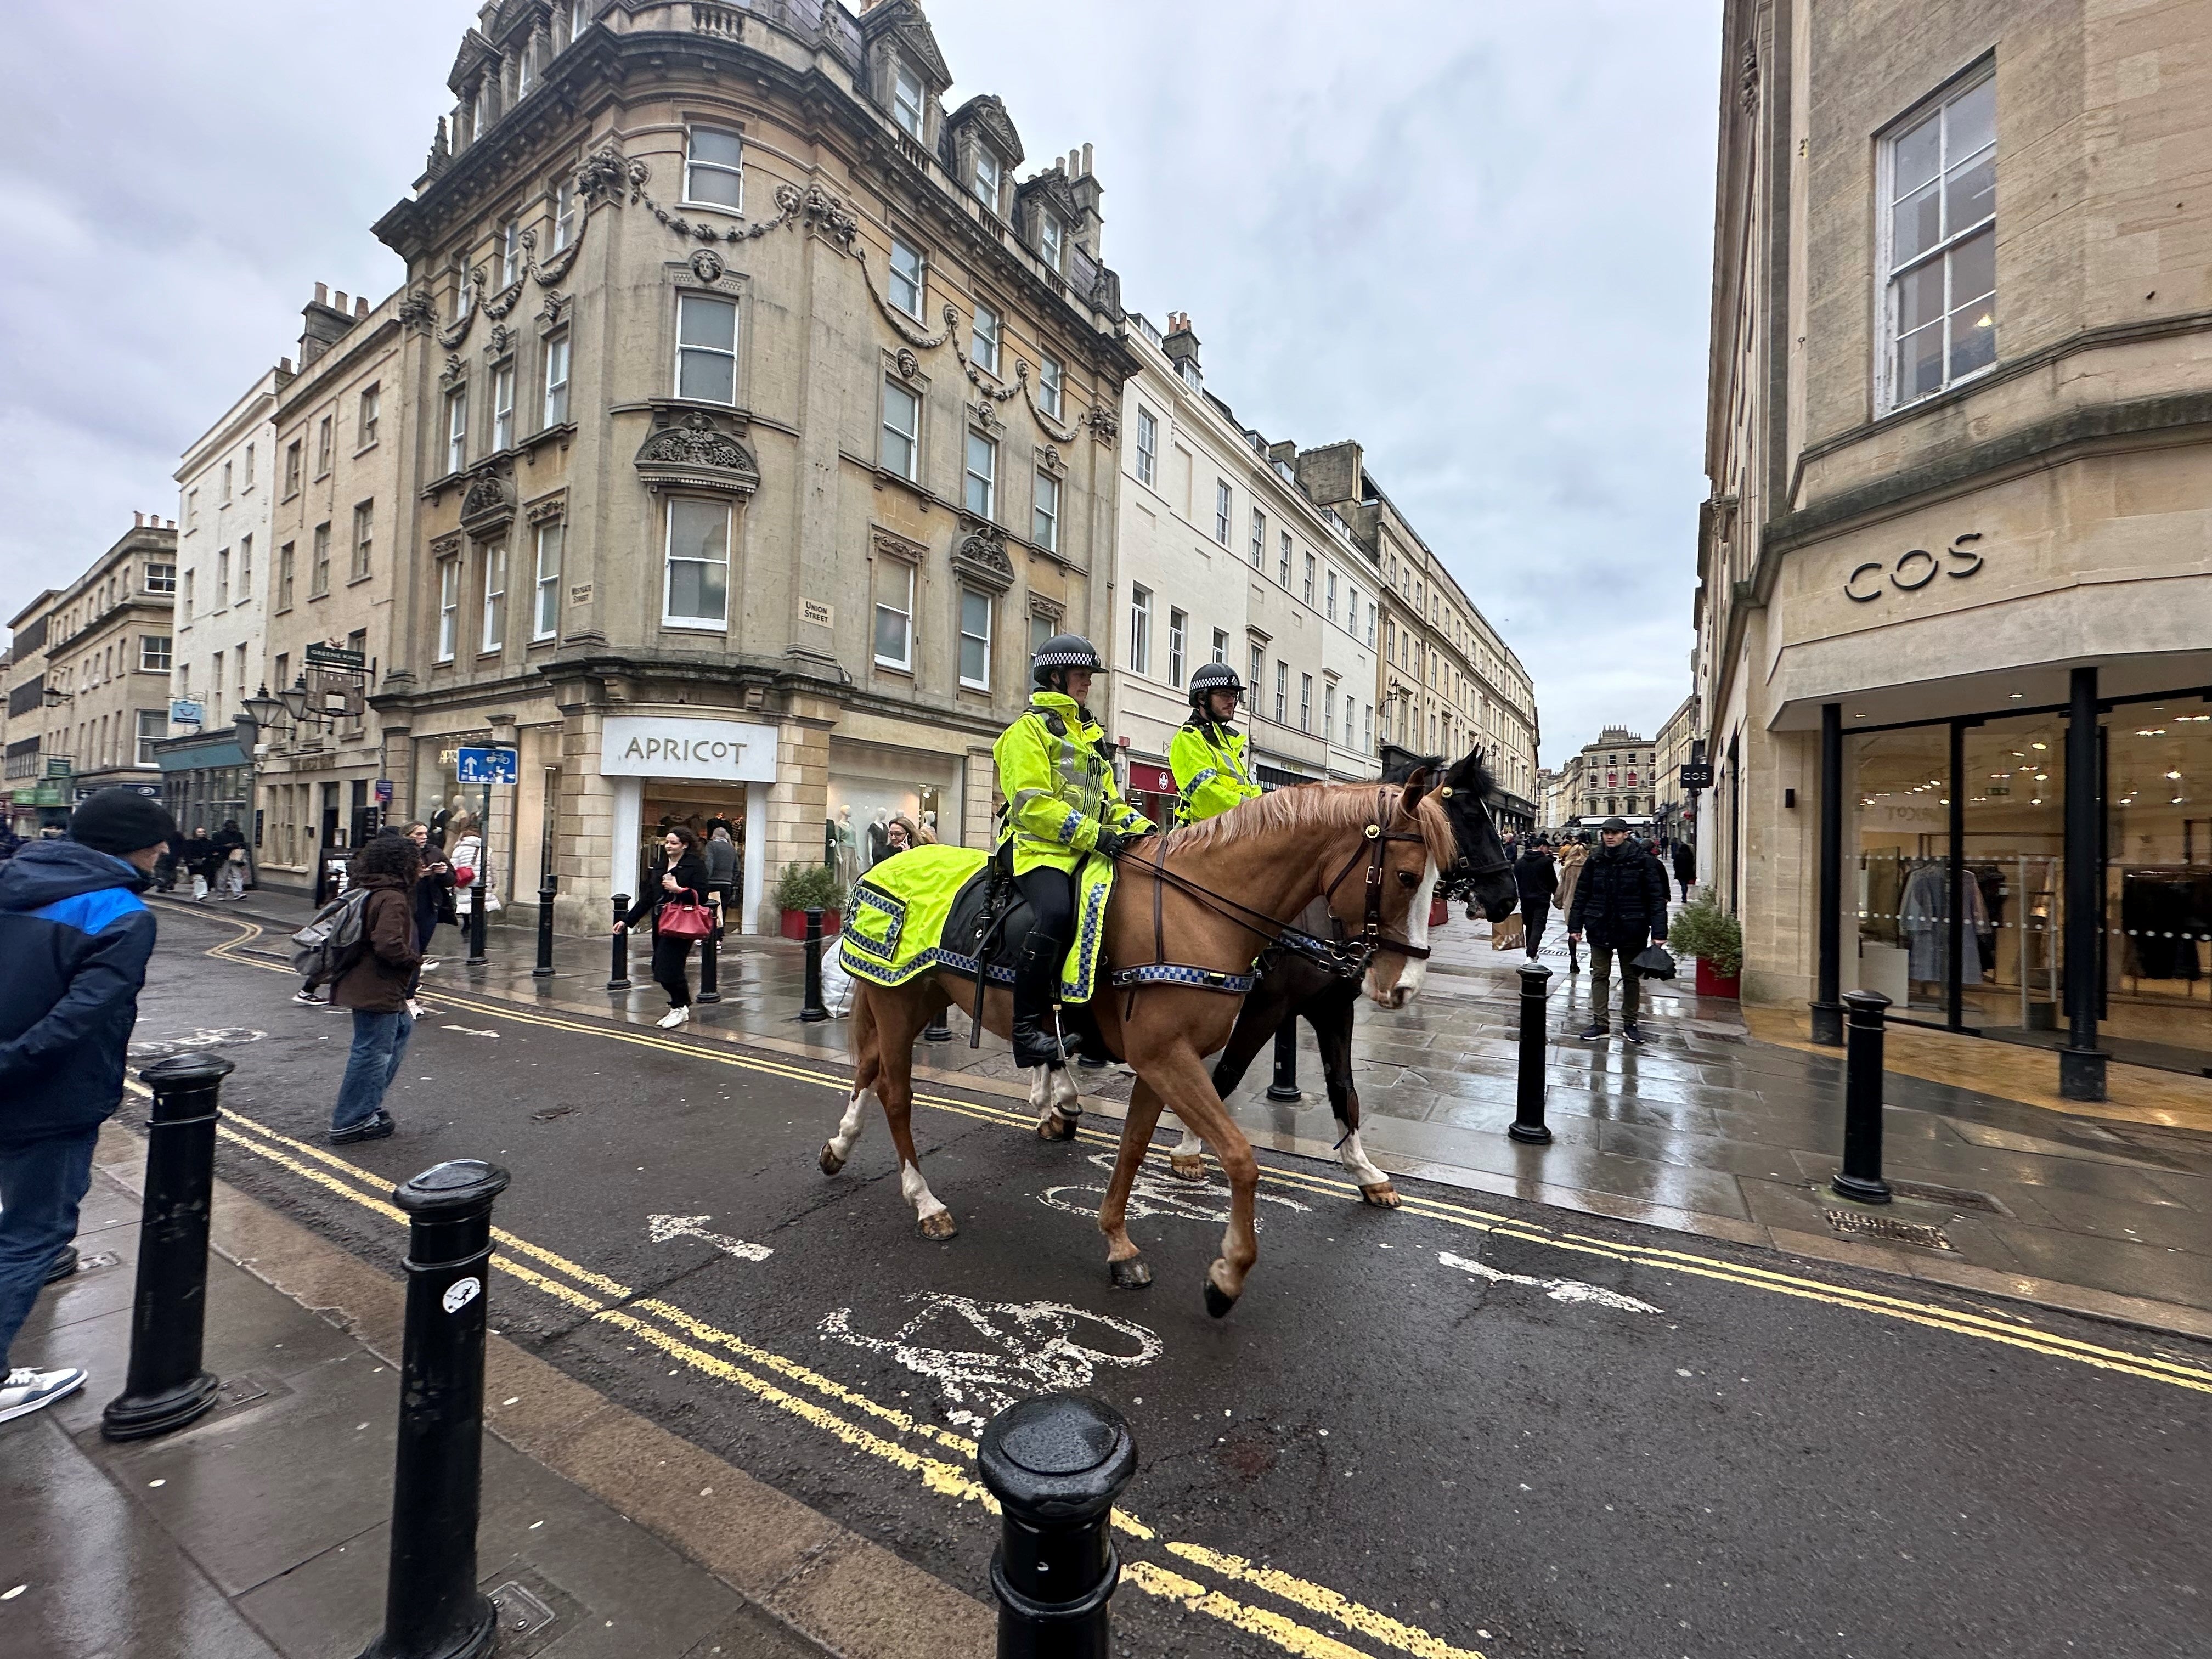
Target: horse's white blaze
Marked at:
849, 1126
916, 1192
1417, 933
1354, 1158
1190, 1145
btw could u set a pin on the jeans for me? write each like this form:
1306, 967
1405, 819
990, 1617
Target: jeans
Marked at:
41, 1183
379, 1042
1602, 960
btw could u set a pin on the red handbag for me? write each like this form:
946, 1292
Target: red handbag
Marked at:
684, 918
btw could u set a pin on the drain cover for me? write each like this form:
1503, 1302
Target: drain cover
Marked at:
521, 1613
1858, 1223
1958, 1198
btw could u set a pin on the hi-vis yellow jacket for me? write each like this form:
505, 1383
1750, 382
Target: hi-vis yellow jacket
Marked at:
1210, 770
1059, 791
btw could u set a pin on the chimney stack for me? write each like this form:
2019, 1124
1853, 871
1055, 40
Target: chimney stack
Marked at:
1087, 190
322, 293
325, 324
1180, 341
360, 307
137, 521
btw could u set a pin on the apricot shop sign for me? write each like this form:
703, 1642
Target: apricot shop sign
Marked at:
645, 746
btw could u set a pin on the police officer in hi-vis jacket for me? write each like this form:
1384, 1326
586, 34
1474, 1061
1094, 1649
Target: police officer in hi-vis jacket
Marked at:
1062, 803
1207, 758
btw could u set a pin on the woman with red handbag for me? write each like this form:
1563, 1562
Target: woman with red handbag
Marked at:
679, 916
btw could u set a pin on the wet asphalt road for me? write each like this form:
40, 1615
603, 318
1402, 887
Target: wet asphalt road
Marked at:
1494, 1428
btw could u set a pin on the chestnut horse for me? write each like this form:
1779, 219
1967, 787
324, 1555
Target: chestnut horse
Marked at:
1208, 897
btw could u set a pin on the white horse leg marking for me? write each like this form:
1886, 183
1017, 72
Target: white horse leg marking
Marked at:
849, 1126
1040, 1095
1354, 1158
1067, 1099
1190, 1145
915, 1191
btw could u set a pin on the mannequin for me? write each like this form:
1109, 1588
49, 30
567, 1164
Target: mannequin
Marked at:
929, 828
847, 861
879, 837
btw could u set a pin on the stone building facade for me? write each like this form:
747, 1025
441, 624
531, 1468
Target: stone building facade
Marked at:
1954, 574
1680, 742
757, 419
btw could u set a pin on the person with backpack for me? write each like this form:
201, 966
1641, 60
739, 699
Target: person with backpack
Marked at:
370, 976
75, 937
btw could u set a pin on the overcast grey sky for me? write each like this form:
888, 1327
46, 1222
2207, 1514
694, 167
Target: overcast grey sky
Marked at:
1474, 236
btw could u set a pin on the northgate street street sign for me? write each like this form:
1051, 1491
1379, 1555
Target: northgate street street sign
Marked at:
486, 765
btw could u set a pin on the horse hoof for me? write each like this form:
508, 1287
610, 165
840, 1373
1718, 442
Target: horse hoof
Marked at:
1384, 1197
939, 1224
1131, 1275
1187, 1168
1218, 1302
1054, 1126
831, 1164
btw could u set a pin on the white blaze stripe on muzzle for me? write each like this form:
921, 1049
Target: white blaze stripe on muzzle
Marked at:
1417, 933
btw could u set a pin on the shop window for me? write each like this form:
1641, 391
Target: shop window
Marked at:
697, 593
895, 615
975, 639
707, 349
1939, 232
714, 173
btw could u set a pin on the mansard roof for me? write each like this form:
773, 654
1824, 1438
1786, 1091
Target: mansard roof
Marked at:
989, 113
909, 29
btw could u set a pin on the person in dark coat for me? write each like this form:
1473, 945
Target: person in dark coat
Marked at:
75, 937
1686, 866
200, 861
433, 890
373, 984
1621, 902
683, 871
1538, 878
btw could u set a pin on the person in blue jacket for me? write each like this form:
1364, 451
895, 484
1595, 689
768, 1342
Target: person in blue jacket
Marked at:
75, 937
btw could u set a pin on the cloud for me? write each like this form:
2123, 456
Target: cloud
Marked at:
1476, 238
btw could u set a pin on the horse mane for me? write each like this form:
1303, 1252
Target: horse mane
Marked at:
1314, 805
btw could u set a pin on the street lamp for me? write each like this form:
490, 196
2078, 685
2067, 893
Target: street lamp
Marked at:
263, 709
55, 697
295, 698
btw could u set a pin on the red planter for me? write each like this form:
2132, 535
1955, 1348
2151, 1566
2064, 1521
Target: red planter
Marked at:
1710, 984
794, 924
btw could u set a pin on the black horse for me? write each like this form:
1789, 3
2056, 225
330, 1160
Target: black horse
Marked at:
1292, 986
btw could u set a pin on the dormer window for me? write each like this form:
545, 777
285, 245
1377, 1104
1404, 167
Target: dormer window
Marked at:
712, 165
986, 181
906, 100
1050, 238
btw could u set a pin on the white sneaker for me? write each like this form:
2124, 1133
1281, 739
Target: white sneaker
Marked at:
26, 1390
413, 1009
430, 964
308, 999
674, 1018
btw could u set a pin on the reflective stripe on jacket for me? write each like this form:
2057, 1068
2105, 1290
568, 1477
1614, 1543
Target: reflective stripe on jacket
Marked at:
1059, 791
1209, 771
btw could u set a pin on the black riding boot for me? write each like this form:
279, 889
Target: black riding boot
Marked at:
1036, 977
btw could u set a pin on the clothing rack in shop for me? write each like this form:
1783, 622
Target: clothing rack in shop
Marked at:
2165, 911
2038, 903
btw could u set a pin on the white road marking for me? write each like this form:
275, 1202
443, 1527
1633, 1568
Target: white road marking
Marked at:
222, 1038
469, 1030
1559, 1290
662, 1228
1017, 1349
1154, 1194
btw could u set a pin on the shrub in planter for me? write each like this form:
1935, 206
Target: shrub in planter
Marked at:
1705, 930
804, 887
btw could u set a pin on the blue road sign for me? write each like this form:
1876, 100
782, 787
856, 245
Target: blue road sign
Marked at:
486, 766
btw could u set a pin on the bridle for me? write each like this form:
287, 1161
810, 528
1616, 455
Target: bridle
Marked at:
1370, 941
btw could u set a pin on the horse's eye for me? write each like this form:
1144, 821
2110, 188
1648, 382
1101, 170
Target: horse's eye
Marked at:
1407, 878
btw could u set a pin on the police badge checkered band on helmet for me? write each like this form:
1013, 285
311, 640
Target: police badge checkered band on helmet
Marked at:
1214, 677
1064, 651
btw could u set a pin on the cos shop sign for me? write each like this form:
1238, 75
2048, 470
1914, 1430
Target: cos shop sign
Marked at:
1913, 570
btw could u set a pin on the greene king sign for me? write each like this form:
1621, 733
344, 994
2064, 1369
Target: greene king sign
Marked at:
643, 746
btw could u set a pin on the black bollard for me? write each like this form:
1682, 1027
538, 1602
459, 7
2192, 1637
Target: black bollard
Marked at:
937, 1031
1529, 1125
546, 891
618, 978
1285, 1085
432, 1607
1860, 1176
166, 1387
710, 963
810, 1008
1055, 1464
478, 912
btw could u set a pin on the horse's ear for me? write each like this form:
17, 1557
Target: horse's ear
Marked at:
1416, 786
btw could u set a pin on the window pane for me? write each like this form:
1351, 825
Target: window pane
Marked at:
707, 376
1917, 156
1920, 297
1973, 122
890, 634
1920, 363
698, 530
724, 148
1974, 337
708, 323
696, 590
713, 187
1970, 194
1973, 269
1918, 225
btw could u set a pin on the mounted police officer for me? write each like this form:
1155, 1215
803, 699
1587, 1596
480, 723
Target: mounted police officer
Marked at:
1062, 803
1208, 756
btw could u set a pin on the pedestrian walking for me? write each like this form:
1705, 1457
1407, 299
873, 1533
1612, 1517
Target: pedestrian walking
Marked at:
1538, 878
1573, 855
200, 859
1686, 866
373, 984
721, 854
471, 868
229, 844
433, 898
75, 937
683, 876
1620, 901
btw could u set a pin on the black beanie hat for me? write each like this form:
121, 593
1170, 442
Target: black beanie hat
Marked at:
121, 822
